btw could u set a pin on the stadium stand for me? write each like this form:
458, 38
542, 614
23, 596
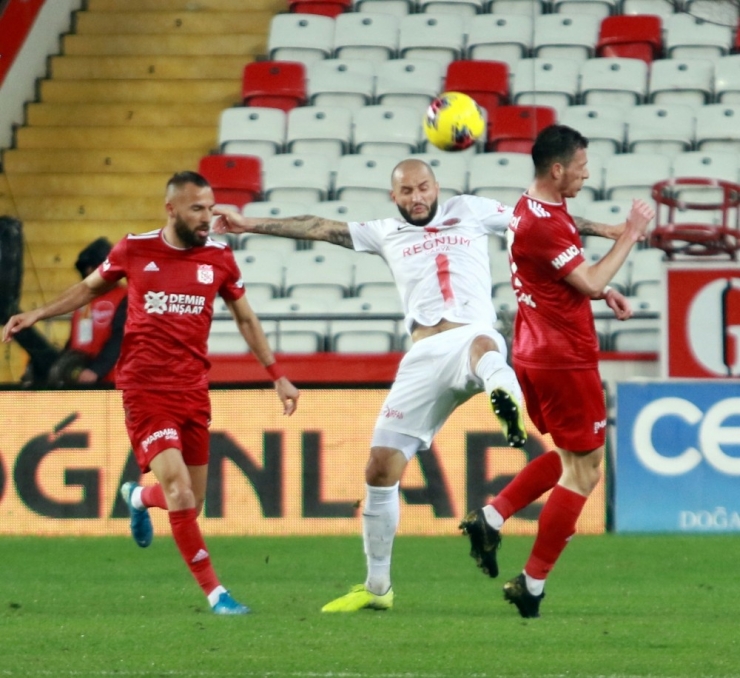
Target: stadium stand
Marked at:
235, 179
341, 82
485, 81
387, 130
252, 131
408, 82
631, 37
498, 37
366, 36
300, 37
319, 130
425, 36
560, 36
297, 177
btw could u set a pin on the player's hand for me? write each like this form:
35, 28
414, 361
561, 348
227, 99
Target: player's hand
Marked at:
639, 218
618, 303
18, 322
288, 394
228, 220
87, 377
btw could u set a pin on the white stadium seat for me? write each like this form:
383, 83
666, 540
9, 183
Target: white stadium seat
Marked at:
681, 81
501, 176
632, 175
659, 128
560, 36
366, 36
408, 82
251, 130
348, 83
603, 126
319, 130
387, 130
499, 37
614, 81
425, 36
299, 178
300, 37
687, 37
546, 82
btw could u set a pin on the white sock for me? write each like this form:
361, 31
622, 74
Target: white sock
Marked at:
534, 586
493, 517
379, 525
136, 498
495, 372
213, 596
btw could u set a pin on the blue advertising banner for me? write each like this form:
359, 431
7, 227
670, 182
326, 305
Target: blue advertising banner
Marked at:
678, 457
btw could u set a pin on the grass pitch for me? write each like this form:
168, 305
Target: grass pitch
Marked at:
616, 606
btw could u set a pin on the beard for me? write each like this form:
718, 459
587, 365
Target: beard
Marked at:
190, 238
421, 221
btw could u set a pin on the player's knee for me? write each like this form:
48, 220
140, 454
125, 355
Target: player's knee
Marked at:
179, 493
385, 467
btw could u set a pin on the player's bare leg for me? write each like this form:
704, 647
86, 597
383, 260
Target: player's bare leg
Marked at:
379, 524
556, 525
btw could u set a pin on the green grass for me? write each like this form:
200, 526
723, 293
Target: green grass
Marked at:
615, 606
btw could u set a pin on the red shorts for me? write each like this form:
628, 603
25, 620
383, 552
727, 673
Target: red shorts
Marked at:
159, 420
567, 404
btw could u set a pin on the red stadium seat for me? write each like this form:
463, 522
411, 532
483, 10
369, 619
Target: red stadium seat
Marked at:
330, 8
235, 179
485, 81
274, 84
631, 37
514, 128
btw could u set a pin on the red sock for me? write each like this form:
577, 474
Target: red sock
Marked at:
152, 496
557, 524
536, 478
189, 540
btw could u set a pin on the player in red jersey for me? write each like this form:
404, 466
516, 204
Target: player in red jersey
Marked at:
173, 275
555, 355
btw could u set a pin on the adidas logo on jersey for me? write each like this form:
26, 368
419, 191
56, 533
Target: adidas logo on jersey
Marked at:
151, 266
537, 209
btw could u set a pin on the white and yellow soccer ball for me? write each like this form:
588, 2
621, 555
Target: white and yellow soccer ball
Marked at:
454, 121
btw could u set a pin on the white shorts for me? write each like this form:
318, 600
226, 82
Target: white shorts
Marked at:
433, 379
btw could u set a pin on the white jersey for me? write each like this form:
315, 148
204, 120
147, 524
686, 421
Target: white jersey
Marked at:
442, 270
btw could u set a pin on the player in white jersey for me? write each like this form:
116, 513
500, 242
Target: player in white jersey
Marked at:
438, 255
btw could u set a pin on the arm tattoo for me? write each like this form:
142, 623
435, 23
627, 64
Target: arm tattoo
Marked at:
584, 226
308, 227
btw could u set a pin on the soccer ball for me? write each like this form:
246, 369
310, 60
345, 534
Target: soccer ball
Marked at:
454, 122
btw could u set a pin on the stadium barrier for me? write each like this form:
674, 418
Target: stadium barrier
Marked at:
64, 454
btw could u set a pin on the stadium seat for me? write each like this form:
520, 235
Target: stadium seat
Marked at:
274, 84
515, 128
387, 130
727, 79
661, 8
614, 81
603, 126
546, 82
631, 37
224, 338
636, 336
485, 81
501, 176
466, 8
313, 274
425, 36
349, 83
655, 128
723, 12
689, 38
497, 37
397, 8
408, 82
646, 269
632, 175
288, 335
721, 164
261, 272
451, 171
235, 179
610, 212
718, 127
366, 36
299, 178
248, 130
300, 37
320, 130
363, 335
373, 279
595, 8
349, 210
524, 7
364, 177
560, 36
330, 8
681, 81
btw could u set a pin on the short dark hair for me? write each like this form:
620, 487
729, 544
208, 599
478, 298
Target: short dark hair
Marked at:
556, 143
179, 179
93, 255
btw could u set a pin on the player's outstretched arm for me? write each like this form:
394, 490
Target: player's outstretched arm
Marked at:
305, 227
71, 299
251, 329
588, 227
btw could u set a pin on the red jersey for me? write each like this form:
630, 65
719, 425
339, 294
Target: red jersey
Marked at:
554, 326
170, 306
92, 325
